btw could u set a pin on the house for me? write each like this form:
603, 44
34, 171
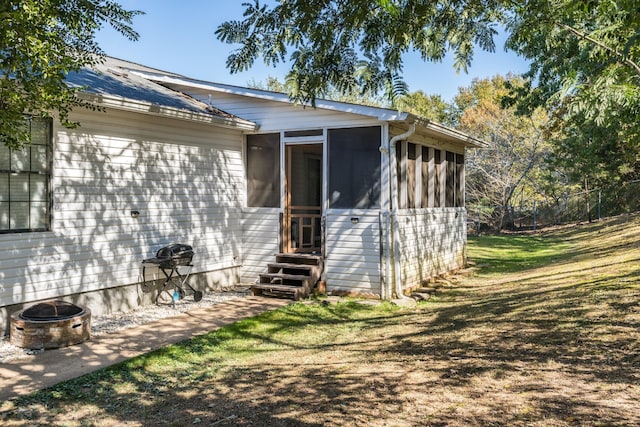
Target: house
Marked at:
240, 174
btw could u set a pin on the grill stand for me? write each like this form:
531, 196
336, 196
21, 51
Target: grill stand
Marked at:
175, 285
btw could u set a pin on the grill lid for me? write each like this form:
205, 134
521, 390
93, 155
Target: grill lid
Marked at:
175, 250
173, 255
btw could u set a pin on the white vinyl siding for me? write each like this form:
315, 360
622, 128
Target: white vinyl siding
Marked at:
352, 262
432, 242
185, 179
260, 228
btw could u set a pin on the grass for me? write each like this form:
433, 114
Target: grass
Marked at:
503, 254
545, 333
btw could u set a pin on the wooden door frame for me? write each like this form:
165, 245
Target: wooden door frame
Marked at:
287, 208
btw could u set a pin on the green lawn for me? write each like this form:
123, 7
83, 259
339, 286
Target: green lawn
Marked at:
503, 254
545, 333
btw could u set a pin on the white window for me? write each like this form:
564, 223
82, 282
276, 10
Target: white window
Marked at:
25, 196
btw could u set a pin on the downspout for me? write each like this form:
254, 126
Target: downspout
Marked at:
394, 278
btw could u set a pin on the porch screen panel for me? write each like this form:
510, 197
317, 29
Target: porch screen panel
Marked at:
354, 168
401, 175
425, 177
451, 179
438, 178
460, 180
263, 170
411, 175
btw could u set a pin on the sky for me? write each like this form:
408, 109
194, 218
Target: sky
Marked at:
179, 36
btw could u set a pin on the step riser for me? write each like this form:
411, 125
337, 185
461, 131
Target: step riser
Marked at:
279, 291
287, 282
299, 259
292, 276
314, 272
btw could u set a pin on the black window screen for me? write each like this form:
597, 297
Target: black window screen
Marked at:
401, 174
451, 179
263, 170
459, 180
425, 176
298, 133
354, 168
438, 178
411, 175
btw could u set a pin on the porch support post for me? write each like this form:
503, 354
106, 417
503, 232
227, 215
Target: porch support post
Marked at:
385, 205
395, 283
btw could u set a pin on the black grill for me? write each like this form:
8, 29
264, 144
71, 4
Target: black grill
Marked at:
175, 263
171, 256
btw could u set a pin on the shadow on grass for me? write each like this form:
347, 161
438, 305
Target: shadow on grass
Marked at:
368, 365
558, 347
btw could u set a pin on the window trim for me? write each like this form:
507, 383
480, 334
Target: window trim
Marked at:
276, 167
375, 203
48, 185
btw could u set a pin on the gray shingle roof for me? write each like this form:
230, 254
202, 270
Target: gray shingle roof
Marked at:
112, 78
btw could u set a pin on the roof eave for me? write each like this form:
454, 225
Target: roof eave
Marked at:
132, 105
460, 136
382, 114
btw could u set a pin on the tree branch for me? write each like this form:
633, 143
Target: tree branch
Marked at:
590, 39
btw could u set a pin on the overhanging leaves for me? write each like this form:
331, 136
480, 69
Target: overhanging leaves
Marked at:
40, 43
358, 42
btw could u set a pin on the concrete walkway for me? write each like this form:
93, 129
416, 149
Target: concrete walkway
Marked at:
43, 370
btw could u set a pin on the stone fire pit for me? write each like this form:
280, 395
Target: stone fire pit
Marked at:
50, 324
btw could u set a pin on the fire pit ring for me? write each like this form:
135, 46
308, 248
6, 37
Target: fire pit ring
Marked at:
50, 324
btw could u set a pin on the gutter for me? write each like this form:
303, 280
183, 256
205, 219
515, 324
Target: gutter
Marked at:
393, 272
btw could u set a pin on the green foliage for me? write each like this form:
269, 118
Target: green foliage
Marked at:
585, 60
274, 85
357, 44
40, 43
431, 107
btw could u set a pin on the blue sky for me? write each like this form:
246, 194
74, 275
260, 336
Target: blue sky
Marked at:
178, 36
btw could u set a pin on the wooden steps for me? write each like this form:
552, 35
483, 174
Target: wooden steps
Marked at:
291, 276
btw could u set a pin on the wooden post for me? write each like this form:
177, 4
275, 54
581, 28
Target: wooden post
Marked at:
586, 194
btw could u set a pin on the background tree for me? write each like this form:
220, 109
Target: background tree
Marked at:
40, 43
274, 85
513, 165
431, 107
